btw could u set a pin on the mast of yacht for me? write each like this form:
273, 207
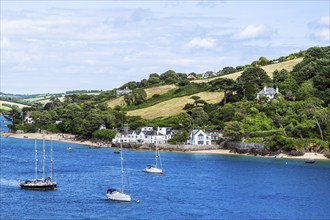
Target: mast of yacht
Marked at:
43, 159
51, 159
121, 166
156, 158
36, 159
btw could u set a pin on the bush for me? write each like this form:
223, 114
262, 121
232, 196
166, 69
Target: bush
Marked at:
104, 134
52, 128
265, 133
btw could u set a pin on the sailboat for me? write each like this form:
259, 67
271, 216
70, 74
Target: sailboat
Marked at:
41, 183
157, 168
115, 194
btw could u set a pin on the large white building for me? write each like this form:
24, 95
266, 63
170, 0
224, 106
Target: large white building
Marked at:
147, 135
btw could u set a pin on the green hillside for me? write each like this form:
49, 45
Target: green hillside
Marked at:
175, 105
295, 119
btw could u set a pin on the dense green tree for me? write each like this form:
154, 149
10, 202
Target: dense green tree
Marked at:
104, 134
252, 81
263, 61
200, 117
228, 70
179, 138
233, 130
306, 90
225, 85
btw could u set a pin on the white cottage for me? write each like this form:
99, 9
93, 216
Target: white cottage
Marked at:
199, 137
267, 92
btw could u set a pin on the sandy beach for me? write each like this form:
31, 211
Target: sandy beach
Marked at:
71, 139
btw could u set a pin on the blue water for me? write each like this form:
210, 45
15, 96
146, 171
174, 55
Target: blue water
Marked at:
3, 124
193, 186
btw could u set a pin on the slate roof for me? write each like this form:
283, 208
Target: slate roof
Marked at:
269, 91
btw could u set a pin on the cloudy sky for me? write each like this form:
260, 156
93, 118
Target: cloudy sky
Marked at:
56, 46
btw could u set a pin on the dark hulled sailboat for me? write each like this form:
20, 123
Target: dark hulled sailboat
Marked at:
41, 183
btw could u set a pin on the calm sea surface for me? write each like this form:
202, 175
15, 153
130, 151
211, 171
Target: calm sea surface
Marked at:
194, 186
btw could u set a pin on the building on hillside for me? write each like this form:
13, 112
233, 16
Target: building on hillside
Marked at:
192, 76
215, 135
123, 92
199, 137
59, 121
147, 135
267, 92
28, 120
102, 127
209, 74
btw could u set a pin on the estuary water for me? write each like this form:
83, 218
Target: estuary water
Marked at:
194, 186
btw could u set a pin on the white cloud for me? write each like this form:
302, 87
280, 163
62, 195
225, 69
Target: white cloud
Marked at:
322, 35
252, 31
201, 43
324, 21
4, 43
320, 29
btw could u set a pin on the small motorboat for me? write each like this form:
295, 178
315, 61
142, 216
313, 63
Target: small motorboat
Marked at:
310, 160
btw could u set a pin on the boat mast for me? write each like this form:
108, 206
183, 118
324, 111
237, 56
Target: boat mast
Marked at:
43, 159
51, 159
121, 166
156, 154
36, 159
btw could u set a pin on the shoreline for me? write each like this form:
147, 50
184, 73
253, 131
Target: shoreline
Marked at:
69, 138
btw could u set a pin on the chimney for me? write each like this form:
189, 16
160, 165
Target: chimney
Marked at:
276, 90
265, 88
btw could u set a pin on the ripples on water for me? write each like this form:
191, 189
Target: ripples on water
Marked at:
193, 187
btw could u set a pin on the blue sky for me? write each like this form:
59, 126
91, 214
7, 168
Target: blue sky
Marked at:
56, 46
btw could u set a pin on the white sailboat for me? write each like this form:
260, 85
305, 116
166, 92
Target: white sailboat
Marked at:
119, 195
157, 168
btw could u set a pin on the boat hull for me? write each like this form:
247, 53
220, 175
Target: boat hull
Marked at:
119, 197
39, 186
154, 170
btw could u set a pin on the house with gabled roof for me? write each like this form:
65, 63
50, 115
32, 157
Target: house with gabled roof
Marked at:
208, 74
199, 137
123, 92
267, 92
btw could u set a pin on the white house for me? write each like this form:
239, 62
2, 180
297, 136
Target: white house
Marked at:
123, 92
208, 74
267, 92
102, 127
28, 120
192, 76
147, 135
199, 137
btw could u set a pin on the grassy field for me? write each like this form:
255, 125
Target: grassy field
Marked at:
42, 99
174, 106
150, 92
288, 65
10, 103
